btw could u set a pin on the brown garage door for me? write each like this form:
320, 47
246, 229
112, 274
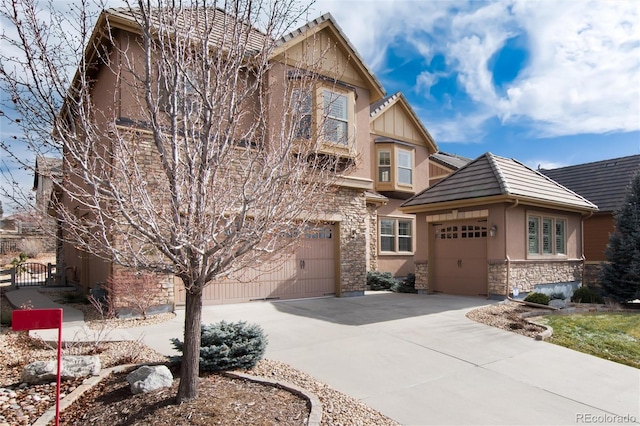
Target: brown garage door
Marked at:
460, 258
308, 272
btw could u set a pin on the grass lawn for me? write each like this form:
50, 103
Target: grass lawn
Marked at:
612, 336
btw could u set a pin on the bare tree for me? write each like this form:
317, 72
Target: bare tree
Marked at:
199, 158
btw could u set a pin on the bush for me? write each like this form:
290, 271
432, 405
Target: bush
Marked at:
229, 345
380, 280
557, 296
586, 295
539, 298
408, 285
32, 247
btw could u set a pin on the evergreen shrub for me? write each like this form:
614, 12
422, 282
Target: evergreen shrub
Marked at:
539, 298
380, 280
408, 285
229, 346
586, 295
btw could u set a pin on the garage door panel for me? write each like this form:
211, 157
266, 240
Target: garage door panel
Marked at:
460, 258
307, 271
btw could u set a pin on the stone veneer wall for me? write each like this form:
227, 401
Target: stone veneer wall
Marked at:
372, 238
422, 277
526, 274
351, 206
497, 278
162, 300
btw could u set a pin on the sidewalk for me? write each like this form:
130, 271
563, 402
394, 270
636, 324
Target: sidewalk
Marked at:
74, 329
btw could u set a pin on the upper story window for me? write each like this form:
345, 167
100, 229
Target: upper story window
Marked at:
336, 124
334, 108
395, 164
546, 235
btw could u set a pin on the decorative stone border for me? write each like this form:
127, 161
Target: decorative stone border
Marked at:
315, 412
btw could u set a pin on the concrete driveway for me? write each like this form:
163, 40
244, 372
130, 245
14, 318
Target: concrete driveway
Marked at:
420, 361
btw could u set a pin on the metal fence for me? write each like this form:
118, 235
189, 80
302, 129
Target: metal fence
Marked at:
31, 274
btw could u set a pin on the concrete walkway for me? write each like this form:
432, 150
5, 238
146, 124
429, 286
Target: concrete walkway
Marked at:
420, 361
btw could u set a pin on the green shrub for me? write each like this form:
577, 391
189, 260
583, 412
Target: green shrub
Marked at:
539, 298
229, 345
380, 280
586, 295
408, 285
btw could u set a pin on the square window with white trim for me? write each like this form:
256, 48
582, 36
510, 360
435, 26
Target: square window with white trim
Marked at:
396, 236
546, 235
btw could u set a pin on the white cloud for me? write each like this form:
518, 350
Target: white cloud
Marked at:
583, 73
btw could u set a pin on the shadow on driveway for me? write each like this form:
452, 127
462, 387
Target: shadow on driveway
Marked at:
377, 307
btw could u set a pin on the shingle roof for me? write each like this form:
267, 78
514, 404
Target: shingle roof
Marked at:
602, 182
493, 176
451, 161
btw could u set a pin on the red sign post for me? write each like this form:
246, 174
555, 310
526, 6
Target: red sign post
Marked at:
42, 319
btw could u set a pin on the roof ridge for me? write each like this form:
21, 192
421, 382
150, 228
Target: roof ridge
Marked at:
502, 180
626, 157
383, 104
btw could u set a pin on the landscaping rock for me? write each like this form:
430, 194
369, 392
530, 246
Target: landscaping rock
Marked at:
557, 303
149, 378
73, 366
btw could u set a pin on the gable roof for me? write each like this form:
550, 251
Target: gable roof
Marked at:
327, 21
379, 107
451, 161
604, 183
492, 179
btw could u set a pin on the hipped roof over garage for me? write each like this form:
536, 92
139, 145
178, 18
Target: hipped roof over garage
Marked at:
493, 179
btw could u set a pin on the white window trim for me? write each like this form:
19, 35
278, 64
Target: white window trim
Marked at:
388, 166
411, 167
396, 235
554, 251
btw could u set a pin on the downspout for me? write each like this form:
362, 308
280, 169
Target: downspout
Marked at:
508, 259
584, 259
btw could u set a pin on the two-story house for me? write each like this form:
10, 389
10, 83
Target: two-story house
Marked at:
361, 229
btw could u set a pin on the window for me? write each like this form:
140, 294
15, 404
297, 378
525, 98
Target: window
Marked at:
302, 106
546, 235
405, 163
333, 109
396, 235
336, 117
395, 167
384, 166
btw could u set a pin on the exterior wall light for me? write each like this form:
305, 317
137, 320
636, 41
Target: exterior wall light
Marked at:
492, 230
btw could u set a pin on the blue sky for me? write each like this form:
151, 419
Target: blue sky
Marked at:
550, 83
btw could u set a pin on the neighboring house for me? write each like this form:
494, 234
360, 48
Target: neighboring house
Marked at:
495, 225
47, 170
442, 164
364, 228
604, 183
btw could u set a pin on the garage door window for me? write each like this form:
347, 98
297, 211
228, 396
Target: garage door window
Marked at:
546, 235
396, 236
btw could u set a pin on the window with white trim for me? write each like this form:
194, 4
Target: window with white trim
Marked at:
396, 235
546, 235
405, 167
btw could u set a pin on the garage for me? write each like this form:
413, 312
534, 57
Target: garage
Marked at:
307, 272
460, 258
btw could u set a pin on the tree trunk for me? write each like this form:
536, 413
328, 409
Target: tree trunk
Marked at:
189, 369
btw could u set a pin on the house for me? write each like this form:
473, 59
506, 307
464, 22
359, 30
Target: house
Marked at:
363, 229
47, 170
495, 225
604, 183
